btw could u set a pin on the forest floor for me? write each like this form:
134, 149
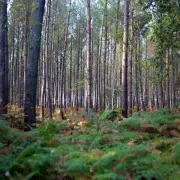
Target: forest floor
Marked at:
145, 146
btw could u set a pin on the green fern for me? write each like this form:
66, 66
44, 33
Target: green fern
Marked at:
109, 176
109, 115
76, 165
121, 150
131, 123
176, 153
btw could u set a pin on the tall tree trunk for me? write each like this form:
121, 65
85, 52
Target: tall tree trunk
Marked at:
82, 78
146, 78
63, 68
16, 74
97, 83
89, 56
136, 77
114, 57
99, 94
131, 61
140, 74
6, 61
161, 90
48, 60
105, 55
3, 56
44, 63
167, 81
173, 79
43, 85
26, 44
64, 57
12, 69
125, 61
70, 74
32, 69
77, 67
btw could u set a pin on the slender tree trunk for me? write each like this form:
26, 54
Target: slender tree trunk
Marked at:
21, 74
48, 61
64, 57
43, 86
100, 106
6, 61
70, 74
114, 57
26, 45
12, 69
167, 81
161, 91
97, 79
146, 78
82, 78
77, 68
63, 68
89, 56
105, 56
125, 61
140, 75
136, 78
16, 74
44, 64
131, 62
173, 79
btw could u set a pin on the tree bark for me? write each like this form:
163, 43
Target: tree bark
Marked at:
105, 55
32, 66
136, 77
3, 57
131, 61
89, 56
125, 61
167, 81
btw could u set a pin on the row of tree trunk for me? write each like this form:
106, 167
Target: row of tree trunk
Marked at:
57, 63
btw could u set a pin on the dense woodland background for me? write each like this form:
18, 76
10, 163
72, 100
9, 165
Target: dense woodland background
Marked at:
100, 79
82, 48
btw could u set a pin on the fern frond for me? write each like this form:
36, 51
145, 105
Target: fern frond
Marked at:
109, 176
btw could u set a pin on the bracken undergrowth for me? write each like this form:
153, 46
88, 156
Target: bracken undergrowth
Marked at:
145, 146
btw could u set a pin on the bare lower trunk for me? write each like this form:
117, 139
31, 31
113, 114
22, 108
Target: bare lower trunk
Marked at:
3, 57
89, 57
167, 81
32, 70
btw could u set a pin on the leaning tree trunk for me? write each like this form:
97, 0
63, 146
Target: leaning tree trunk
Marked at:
32, 65
125, 61
3, 57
